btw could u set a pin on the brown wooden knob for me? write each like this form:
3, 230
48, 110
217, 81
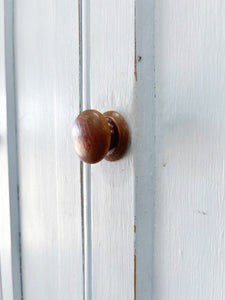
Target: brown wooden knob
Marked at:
97, 136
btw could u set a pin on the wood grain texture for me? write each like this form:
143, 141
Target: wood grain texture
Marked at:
10, 279
47, 77
189, 260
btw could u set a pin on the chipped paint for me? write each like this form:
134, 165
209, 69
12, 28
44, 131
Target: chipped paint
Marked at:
202, 213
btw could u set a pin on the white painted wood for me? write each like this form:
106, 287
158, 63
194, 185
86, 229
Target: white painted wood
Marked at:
112, 192
86, 169
10, 280
184, 174
47, 77
189, 260
144, 147
122, 191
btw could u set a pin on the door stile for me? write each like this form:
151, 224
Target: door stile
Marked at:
11, 278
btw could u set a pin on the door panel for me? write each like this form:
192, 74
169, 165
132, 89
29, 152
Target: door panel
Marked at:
189, 239
112, 194
47, 87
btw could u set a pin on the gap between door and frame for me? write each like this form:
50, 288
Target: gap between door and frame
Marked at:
11, 258
85, 169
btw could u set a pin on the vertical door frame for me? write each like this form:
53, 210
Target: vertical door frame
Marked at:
11, 281
144, 152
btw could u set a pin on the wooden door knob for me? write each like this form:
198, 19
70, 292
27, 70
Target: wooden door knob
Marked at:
97, 136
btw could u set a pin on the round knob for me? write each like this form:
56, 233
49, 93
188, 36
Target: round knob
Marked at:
97, 136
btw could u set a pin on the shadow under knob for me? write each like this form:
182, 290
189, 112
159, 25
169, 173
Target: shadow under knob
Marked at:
97, 136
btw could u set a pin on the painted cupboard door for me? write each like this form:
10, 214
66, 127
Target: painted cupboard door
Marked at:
150, 226
75, 227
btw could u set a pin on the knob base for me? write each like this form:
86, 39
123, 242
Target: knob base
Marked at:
119, 133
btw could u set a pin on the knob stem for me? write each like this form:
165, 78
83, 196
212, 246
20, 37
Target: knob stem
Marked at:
114, 133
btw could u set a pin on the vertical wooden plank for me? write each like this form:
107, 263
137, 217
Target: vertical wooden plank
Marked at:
122, 193
9, 209
190, 80
47, 76
112, 53
144, 147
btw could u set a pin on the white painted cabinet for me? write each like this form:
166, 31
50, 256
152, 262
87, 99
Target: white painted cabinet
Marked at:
150, 226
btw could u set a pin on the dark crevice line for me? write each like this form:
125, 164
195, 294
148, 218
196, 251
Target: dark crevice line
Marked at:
135, 74
81, 163
82, 225
80, 56
88, 231
13, 150
87, 167
85, 170
20, 244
